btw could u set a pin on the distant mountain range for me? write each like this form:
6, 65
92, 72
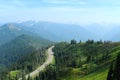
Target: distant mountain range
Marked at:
50, 31
107, 32
58, 32
66, 32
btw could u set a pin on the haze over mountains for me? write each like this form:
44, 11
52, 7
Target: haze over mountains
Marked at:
105, 32
58, 31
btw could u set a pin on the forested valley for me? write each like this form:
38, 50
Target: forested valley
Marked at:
25, 65
22, 56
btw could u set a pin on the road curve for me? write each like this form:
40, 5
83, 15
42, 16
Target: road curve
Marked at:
49, 60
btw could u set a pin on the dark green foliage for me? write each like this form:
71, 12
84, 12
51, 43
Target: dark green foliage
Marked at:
71, 55
14, 50
114, 71
29, 78
110, 73
73, 41
23, 76
100, 42
90, 41
29, 62
116, 74
49, 73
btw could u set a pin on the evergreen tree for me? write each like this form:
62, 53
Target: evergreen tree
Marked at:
116, 74
73, 41
23, 75
110, 73
28, 77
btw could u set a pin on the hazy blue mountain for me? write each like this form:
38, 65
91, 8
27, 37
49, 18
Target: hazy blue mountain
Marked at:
96, 29
9, 31
105, 32
12, 51
100, 30
114, 34
58, 32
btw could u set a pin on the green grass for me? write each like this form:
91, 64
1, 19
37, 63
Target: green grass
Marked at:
97, 75
100, 75
53, 61
14, 73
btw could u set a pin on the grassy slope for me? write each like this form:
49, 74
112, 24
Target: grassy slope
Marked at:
14, 73
100, 73
97, 75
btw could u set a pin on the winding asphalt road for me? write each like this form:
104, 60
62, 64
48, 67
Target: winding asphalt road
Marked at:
49, 60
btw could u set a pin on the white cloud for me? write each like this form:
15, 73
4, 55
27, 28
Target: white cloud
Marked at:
55, 1
65, 2
82, 3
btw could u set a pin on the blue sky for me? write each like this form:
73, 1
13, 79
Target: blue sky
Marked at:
63, 11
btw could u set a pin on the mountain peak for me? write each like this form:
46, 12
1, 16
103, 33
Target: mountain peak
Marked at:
11, 26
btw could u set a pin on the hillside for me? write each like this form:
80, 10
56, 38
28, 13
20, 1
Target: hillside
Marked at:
8, 32
81, 61
14, 50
